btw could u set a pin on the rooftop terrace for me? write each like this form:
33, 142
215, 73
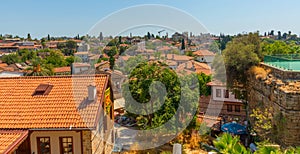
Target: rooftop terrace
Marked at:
290, 62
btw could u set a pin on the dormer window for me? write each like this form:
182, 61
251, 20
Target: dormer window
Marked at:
42, 89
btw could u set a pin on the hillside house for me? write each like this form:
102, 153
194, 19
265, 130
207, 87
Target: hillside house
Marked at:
57, 114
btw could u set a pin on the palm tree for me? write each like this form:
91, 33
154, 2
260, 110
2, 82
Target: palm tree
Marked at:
38, 70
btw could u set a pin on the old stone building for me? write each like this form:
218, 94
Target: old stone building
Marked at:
278, 88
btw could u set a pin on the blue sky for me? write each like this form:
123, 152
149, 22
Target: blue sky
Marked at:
72, 17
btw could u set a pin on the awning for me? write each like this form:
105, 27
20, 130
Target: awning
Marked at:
11, 139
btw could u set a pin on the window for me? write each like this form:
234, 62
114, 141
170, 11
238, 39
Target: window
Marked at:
66, 145
226, 93
42, 89
218, 92
237, 108
229, 108
43, 144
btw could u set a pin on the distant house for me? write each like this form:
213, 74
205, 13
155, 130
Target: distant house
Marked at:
58, 114
225, 103
79, 67
83, 55
204, 56
194, 67
62, 70
180, 59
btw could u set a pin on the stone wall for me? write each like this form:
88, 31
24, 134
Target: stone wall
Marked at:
86, 142
286, 107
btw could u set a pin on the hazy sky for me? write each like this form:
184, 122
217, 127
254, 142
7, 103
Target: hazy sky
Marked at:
72, 17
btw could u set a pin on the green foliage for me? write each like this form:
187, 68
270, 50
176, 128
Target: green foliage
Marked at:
262, 122
10, 59
39, 70
68, 48
280, 47
224, 40
203, 79
141, 78
266, 147
214, 47
131, 63
71, 59
240, 54
182, 44
111, 53
56, 58
189, 53
28, 37
226, 144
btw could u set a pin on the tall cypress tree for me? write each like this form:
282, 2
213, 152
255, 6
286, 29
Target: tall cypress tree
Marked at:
182, 44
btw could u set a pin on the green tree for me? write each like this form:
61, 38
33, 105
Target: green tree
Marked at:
48, 37
120, 40
262, 122
111, 53
240, 54
144, 75
131, 63
101, 36
148, 35
71, 59
28, 37
203, 79
11, 58
39, 68
56, 58
214, 47
182, 44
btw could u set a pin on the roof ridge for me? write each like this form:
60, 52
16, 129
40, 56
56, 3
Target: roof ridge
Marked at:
55, 76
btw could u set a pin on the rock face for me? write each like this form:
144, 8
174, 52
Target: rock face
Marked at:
282, 93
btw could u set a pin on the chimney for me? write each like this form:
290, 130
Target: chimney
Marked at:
172, 56
185, 65
92, 91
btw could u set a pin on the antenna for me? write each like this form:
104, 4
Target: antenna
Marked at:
160, 32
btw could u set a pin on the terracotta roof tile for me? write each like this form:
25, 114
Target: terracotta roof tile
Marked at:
64, 107
62, 69
203, 53
9, 140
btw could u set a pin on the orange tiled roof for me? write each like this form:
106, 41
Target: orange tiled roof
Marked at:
9, 140
177, 57
197, 66
2, 65
64, 107
62, 69
203, 53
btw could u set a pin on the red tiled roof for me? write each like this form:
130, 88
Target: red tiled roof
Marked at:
2, 65
177, 57
203, 53
197, 66
215, 83
10, 140
62, 69
64, 107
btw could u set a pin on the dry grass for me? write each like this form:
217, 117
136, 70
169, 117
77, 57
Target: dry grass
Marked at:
259, 72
